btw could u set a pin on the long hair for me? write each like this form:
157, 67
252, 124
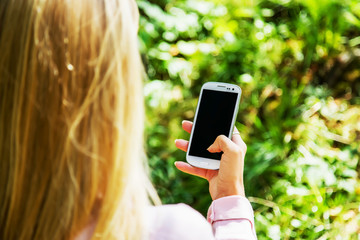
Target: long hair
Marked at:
71, 120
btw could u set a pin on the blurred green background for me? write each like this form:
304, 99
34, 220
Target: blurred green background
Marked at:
298, 64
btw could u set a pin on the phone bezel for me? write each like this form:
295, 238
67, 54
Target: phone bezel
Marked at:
209, 163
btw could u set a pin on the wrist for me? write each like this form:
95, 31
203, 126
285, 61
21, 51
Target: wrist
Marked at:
231, 190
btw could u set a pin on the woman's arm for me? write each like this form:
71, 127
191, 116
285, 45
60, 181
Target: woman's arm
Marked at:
232, 217
230, 213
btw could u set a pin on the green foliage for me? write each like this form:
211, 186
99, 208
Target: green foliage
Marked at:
297, 63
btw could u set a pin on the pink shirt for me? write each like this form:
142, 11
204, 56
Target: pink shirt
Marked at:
228, 218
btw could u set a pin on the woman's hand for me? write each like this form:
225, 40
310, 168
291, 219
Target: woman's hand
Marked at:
228, 180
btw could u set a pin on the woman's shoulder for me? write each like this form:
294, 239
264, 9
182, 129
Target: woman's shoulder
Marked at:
177, 221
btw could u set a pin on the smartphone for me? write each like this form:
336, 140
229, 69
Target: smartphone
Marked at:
215, 115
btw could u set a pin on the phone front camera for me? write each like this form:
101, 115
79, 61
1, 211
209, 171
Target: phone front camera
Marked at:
233, 89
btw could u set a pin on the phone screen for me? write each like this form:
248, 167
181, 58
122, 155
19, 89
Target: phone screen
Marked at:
214, 117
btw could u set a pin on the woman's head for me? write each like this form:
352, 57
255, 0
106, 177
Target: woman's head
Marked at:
71, 119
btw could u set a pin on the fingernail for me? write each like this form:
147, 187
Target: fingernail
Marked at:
182, 122
176, 140
175, 163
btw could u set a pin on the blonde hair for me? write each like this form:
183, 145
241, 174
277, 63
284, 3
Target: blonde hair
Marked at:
71, 120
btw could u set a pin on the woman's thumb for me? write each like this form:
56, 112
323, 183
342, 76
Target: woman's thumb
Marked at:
217, 144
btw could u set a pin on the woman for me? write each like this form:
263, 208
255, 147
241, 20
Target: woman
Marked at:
71, 132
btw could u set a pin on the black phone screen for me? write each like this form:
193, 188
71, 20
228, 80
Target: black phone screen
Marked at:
214, 117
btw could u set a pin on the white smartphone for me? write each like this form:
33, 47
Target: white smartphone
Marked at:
215, 115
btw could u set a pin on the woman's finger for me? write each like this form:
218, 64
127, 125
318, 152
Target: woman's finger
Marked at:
187, 168
236, 138
187, 125
236, 135
223, 144
182, 144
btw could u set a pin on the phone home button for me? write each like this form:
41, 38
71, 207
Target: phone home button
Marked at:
204, 164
